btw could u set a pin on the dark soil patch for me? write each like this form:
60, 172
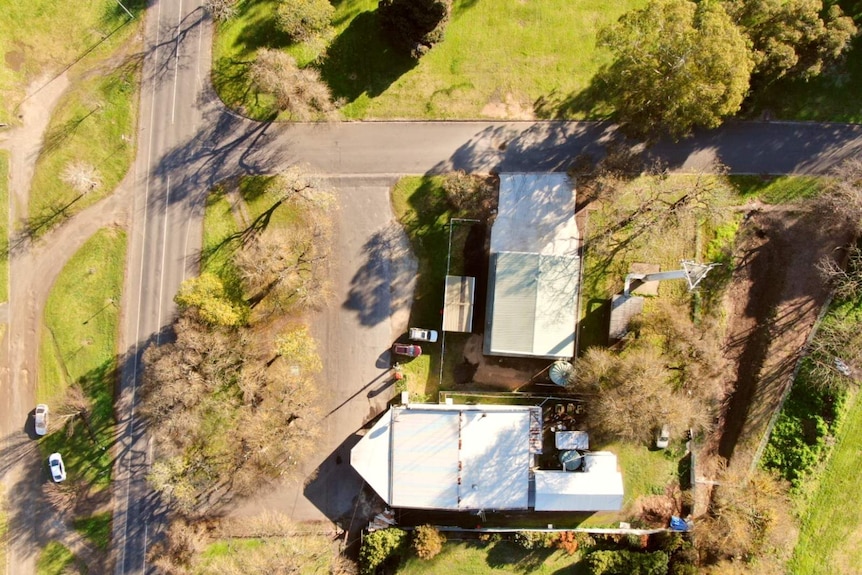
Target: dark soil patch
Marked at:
772, 304
14, 60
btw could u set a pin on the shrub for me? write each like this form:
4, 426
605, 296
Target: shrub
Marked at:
304, 19
627, 563
379, 546
535, 539
427, 542
414, 25
567, 541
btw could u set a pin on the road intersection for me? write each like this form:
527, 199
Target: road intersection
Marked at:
187, 141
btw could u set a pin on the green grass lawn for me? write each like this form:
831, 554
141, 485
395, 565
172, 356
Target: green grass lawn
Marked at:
96, 529
500, 558
79, 344
54, 559
419, 203
315, 551
93, 124
831, 528
498, 58
777, 190
4, 225
41, 36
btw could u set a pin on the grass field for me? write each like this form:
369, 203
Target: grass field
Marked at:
500, 558
4, 225
55, 559
94, 124
96, 529
506, 57
316, 553
79, 344
42, 36
831, 529
776, 190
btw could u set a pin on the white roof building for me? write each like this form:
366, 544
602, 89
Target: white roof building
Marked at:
471, 457
598, 488
534, 278
454, 457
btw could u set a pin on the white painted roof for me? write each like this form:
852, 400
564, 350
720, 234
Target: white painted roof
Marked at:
599, 488
536, 213
448, 457
535, 268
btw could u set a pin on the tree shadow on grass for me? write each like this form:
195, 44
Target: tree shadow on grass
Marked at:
591, 103
360, 61
505, 554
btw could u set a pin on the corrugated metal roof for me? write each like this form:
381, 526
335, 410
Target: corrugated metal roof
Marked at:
535, 268
458, 303
532, 305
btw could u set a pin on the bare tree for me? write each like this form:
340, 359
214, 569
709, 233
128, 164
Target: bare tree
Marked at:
845, 280
842, 201
298, 91
64, 497
221, 10
83, 177
176, 552
748, 517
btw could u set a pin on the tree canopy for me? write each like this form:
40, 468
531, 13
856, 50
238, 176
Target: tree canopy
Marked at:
797, 38
414, 25
676, 65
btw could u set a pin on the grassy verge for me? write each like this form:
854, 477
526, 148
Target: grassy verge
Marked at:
4, 225
315, 554
56, 559
96, 529
93, 126
420, 206
499, 59
777, 190
831, 528
40, 36
79, 344
219, 227
499, 558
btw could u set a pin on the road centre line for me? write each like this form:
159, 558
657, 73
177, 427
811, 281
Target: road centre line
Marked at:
177, 61
131, 434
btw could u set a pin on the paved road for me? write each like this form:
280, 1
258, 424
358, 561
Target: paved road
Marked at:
164, 230
187, 141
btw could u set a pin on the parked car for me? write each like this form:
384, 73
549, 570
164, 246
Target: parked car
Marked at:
58, 470
407, 349
422, 334
662, 439
41, 419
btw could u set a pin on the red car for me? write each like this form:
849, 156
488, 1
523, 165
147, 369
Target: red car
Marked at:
407, 349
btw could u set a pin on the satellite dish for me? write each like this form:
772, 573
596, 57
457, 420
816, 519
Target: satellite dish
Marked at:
561, 372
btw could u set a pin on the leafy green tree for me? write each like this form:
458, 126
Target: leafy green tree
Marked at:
796, 38
206, 293
677, 65
304, 19
414, 25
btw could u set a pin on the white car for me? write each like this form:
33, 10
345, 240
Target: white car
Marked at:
662, 440
58, 470
422, 334
41, 419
